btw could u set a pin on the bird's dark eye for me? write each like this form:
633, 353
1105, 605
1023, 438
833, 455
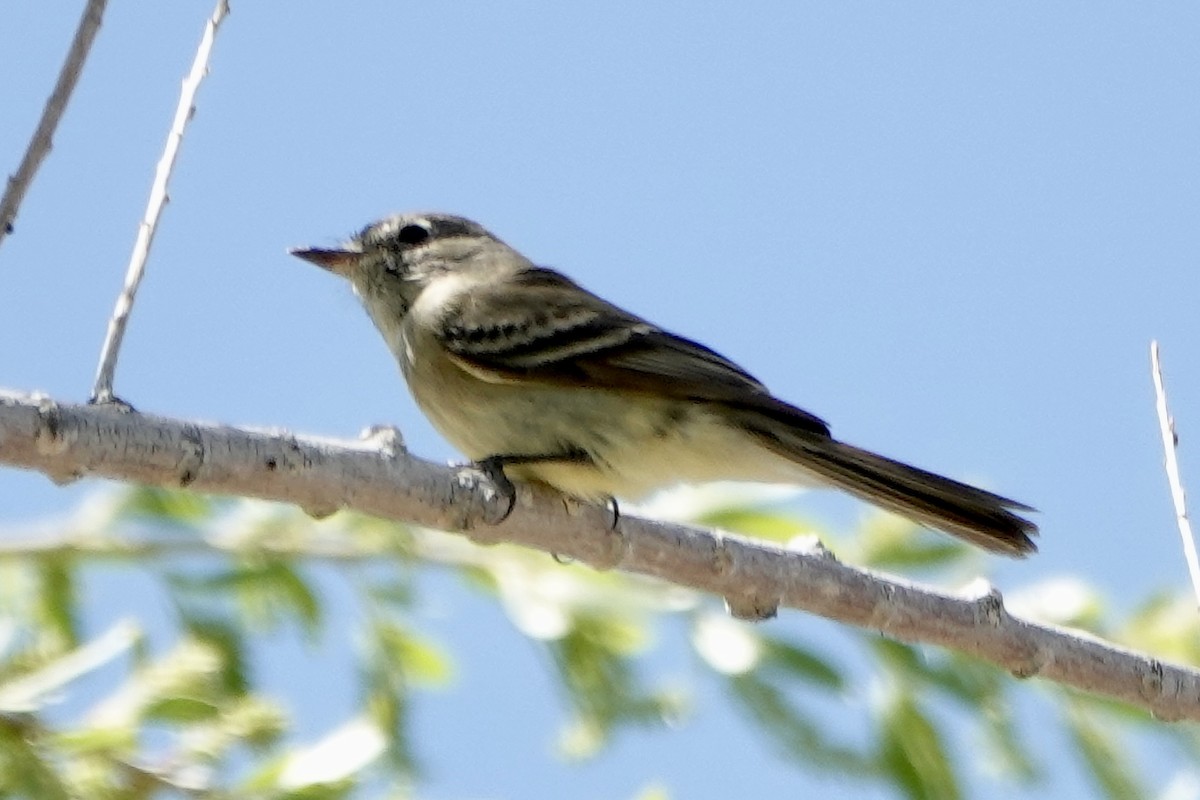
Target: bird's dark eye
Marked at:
413, 234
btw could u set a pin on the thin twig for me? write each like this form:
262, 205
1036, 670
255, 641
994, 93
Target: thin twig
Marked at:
43, 135
375, 476
102, 391
1170, 444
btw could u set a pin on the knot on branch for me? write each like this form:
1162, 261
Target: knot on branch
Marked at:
1033, 664
54, 438
1164, 704
191, 459
751, 608
387, 439
751, 604
988, 602
50, 440
811, 546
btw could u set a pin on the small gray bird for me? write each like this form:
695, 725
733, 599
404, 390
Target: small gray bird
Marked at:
520, 367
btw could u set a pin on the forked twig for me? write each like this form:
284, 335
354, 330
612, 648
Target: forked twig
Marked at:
1170, 444
102, 391
43, 135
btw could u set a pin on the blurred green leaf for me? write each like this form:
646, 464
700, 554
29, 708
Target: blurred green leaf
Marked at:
24, 771
912, 752
398, 594
388, 686
165, 505
602, 682
296, 593
387, 704
189, 669
1102, 753
386, 535
969, 681
770, 524
1166, 625
655, 791
181, 709
1007, 755
800, 662
479, 578
262, 778
226, 639
794, 730
421, 661
917, 554
57, 599
255, 720
239, 723
97, 740
269, 592
886, 541
582, 738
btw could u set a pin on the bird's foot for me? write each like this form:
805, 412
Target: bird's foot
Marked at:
493, 468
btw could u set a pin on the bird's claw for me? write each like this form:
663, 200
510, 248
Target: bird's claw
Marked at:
616, 512
493, 468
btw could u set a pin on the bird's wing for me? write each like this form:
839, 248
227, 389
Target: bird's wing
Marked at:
540, 326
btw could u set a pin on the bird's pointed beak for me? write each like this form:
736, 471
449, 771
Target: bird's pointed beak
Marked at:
335, 260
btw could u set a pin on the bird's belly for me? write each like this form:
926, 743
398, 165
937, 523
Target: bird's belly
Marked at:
701, 449
634, 444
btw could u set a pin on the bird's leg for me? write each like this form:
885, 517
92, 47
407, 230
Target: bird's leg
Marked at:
493, 467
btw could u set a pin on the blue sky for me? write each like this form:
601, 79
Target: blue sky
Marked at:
951, 230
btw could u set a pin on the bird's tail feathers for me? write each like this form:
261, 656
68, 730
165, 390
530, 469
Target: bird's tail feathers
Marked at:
980, 517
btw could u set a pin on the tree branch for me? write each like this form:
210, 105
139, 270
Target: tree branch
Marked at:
376, 476
43, 135
102, 391
1166, 426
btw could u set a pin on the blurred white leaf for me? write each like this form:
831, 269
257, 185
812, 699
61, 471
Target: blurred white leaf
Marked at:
684, 503
28, 692
726, 644
338, 756
1062, 601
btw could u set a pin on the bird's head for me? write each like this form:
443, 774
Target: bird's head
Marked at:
391, 261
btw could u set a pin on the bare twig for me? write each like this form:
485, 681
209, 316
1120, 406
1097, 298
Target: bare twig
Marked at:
377, 477
43, 135
1170, 443
102, 391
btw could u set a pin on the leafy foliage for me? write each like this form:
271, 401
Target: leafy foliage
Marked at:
182, 714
